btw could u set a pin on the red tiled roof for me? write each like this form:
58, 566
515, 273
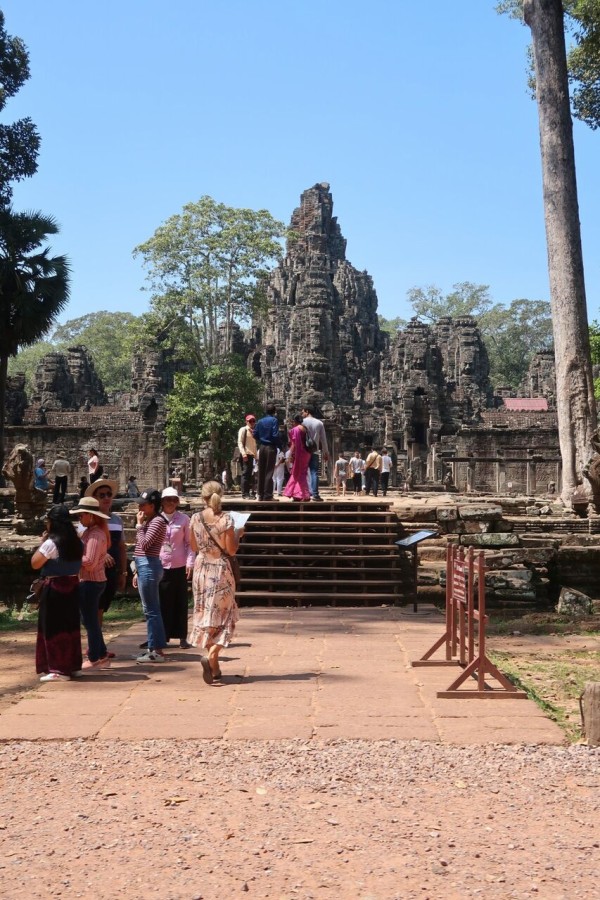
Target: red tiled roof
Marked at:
526, 404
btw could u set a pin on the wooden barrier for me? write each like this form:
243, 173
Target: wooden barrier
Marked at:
458, 640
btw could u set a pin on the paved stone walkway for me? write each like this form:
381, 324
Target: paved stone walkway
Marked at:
291, 673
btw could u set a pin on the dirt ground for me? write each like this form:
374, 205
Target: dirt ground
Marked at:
372, 820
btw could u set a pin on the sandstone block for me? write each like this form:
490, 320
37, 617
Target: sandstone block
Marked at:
494, 539
483, 512
574, 604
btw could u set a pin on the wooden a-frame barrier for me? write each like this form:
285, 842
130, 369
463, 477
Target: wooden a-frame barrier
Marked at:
458, 640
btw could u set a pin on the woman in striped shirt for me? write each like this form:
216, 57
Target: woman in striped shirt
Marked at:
151, 529
92, 578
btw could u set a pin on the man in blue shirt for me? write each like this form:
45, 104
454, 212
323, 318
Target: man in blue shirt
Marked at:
266, 435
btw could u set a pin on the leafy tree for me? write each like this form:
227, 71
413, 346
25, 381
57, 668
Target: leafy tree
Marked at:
109, 336
208, 404
391, 326
34, 288
575, 403
512, 334
466, 299
19, 142
27, 361
582, 25
207, 268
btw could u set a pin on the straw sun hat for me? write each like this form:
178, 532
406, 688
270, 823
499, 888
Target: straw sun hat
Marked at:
88, 505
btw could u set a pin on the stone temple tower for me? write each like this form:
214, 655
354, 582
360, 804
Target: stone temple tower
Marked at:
320, 342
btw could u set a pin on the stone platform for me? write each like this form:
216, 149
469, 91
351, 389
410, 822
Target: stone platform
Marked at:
317, 673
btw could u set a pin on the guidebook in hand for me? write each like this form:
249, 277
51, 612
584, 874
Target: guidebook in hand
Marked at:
239, 519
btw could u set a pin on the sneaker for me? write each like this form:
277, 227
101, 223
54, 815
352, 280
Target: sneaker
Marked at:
104, 663
54, 676
316, 497
183, 645
150, 656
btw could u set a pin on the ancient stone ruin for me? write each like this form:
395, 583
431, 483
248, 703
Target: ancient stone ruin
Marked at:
425, 393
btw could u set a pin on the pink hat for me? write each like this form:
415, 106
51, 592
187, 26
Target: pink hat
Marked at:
250, 418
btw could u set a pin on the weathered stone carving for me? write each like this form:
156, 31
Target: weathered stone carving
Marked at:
18, 468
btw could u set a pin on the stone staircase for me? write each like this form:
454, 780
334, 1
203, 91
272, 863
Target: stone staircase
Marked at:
319, 553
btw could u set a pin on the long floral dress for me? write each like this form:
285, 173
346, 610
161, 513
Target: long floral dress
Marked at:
213, 585
297, 486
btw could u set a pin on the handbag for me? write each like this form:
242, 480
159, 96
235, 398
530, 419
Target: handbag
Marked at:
309, 443
34, 598
234, 563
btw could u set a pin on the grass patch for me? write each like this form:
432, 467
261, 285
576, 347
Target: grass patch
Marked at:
554, 681
543, 623
13, 620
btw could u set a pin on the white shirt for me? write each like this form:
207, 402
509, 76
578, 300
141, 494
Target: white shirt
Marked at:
386, 463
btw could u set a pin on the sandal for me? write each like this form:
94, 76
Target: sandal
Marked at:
206, 670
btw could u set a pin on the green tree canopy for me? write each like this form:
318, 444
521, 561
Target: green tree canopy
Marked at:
206, 268
19, 142
110, 338
582, 29
208, 404
512, 334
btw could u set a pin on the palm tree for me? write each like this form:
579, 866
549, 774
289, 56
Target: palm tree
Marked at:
34, 288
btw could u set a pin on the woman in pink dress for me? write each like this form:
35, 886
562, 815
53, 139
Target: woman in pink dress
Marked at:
297, 486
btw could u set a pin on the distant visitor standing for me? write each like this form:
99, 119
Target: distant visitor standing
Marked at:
61, 468
386, 468
297, 487
132, 488
341, 471
40, 475
357, 467
267, 437
94, 468
247, 448
372, 467
316, 432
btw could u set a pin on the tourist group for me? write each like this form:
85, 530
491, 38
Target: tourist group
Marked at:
82, 568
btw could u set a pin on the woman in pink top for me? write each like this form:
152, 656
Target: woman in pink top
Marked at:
92, 578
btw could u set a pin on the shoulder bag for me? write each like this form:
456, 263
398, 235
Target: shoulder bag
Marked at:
233, 561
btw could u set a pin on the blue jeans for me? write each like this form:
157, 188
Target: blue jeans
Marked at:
89, 597
150, 572
313, 468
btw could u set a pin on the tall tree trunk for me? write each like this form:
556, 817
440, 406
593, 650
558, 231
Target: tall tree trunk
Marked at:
3, 398
575, 402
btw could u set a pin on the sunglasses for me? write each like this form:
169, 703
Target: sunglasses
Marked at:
104, 495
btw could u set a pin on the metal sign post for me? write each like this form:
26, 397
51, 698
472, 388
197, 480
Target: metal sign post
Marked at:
411, 543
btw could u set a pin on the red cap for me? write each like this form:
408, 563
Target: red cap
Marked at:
250, 418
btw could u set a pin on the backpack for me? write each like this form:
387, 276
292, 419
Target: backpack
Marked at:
309, 443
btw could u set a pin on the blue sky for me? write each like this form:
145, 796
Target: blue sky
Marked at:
417, 114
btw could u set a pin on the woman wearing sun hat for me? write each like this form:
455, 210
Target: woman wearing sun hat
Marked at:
92, 578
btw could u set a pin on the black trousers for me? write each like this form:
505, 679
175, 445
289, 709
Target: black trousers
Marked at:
371, 481
357, 479
246, 480
266, 464
60, 488
385, 477
173, 595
